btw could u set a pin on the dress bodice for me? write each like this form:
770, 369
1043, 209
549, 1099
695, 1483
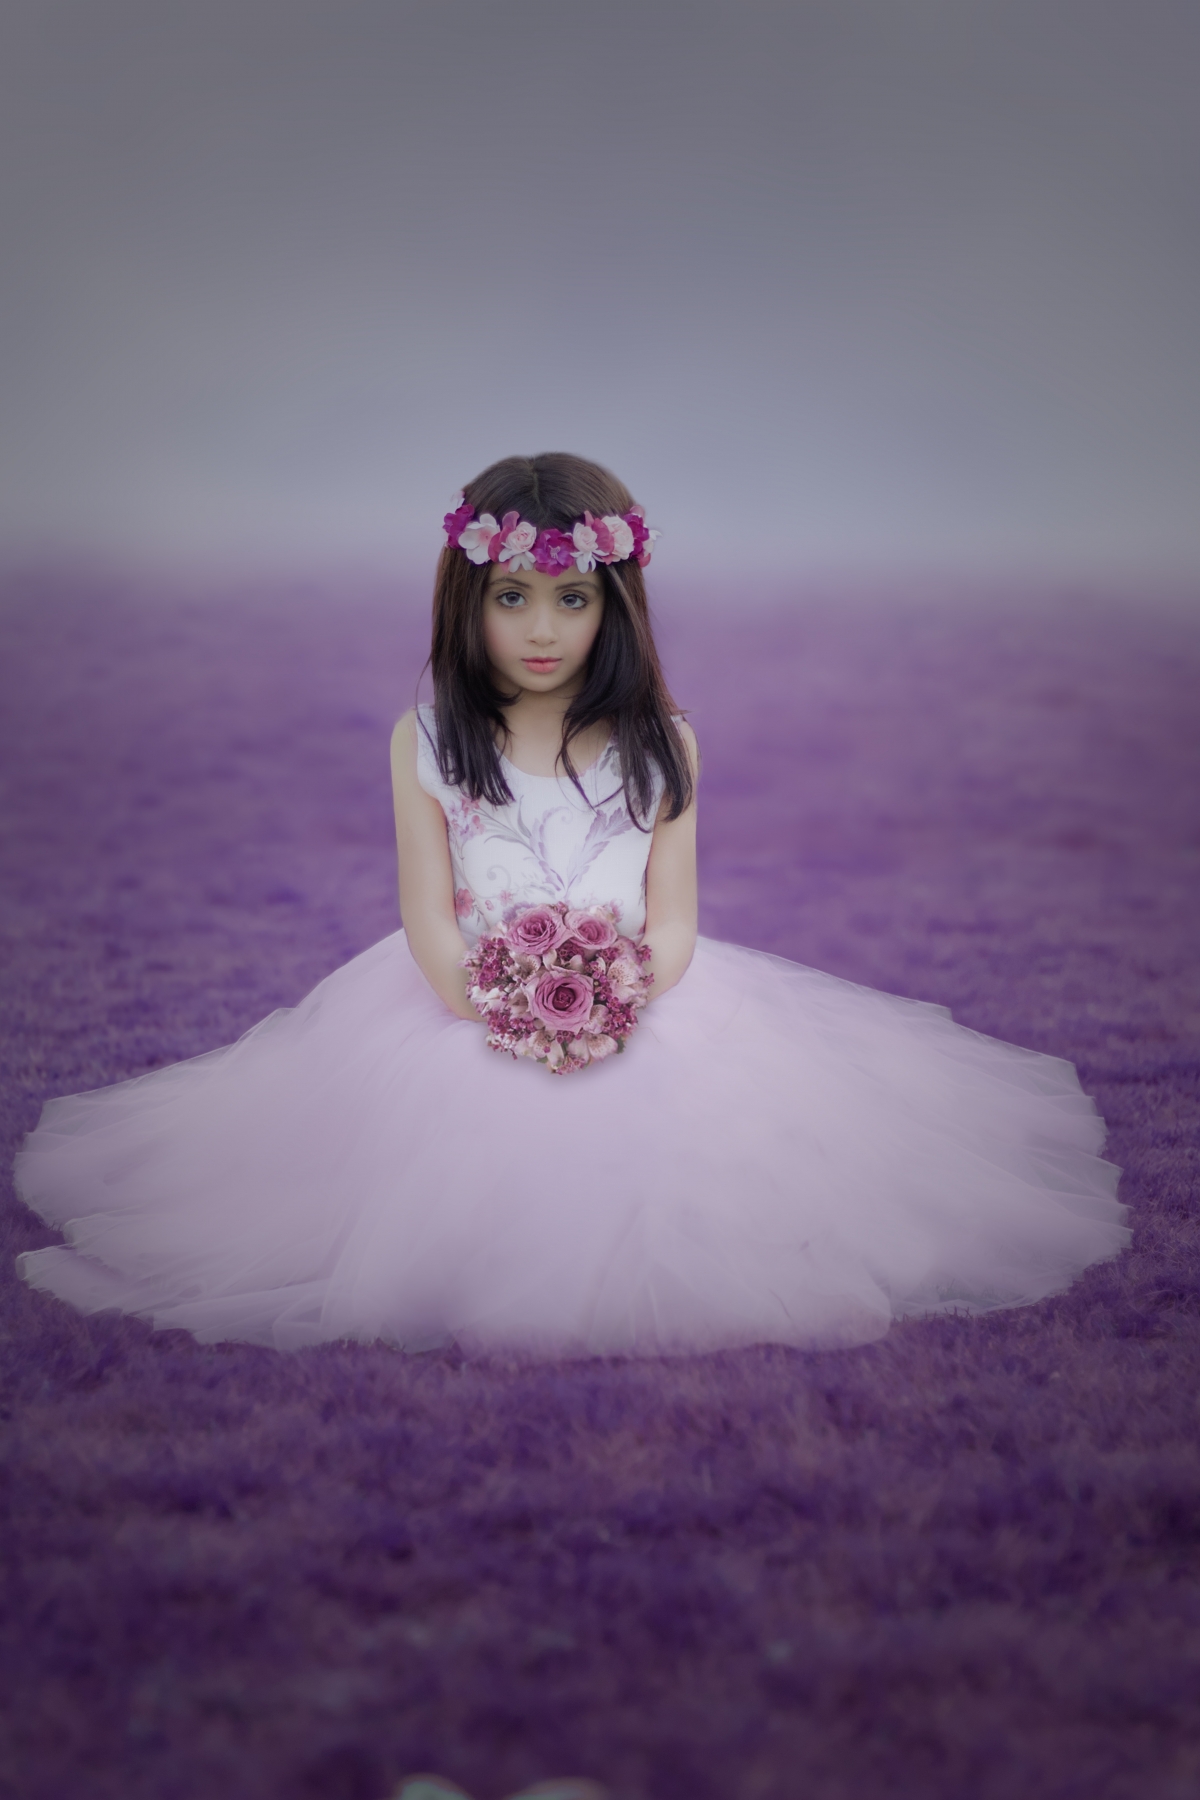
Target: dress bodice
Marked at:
550, 842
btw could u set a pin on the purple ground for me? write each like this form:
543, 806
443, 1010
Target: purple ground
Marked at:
962, 1562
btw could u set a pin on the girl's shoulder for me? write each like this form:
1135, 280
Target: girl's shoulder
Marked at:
415, 747
690, 742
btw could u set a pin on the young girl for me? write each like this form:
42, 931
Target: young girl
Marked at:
776, 1156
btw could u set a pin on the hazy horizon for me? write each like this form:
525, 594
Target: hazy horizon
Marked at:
857, 287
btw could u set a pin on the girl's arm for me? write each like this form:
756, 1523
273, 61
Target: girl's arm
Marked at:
426, 882
671, 888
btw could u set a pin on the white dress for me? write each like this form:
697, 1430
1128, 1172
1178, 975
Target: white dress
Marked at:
778, 1156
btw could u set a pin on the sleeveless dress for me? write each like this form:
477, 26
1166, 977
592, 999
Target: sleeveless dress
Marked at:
778, 1156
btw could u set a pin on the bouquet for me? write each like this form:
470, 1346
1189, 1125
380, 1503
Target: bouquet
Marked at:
560, 985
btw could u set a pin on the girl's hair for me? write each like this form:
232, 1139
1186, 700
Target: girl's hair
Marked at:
623, 683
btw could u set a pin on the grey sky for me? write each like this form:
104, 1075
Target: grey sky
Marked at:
852, 284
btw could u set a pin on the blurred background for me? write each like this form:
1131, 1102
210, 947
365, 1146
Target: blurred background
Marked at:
839, 287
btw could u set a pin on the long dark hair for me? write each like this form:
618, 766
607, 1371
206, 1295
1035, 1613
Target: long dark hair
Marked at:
623, 683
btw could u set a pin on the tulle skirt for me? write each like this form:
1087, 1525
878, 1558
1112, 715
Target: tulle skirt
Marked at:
778, 1157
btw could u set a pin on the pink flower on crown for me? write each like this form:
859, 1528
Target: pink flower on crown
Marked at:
586, 543
476, 538
555, 552
605, 551
620, 538
518, 538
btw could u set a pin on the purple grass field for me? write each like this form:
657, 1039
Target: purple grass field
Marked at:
962, 1562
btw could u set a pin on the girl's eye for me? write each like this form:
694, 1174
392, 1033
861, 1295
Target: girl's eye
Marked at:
511, 599
574, 602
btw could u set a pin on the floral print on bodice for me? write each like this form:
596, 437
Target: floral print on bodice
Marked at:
550, 842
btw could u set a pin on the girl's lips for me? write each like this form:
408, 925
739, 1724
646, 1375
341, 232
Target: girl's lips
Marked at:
540, 663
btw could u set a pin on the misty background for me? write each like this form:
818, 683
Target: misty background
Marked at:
834, 285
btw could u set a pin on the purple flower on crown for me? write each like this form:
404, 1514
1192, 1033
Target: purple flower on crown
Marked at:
643, 538
554, 552
456, 521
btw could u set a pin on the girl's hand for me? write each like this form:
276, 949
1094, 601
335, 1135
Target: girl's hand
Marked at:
671, 899
426, 881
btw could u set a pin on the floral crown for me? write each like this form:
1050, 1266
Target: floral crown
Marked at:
513, 540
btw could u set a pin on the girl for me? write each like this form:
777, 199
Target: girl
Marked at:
778, 1156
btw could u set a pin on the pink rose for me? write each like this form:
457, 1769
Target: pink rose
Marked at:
591, 929
562, 1000
519, 539
536, 931
586, 544
621, 536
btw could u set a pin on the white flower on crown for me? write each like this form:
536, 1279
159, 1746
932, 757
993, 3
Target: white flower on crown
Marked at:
586, 544
621, 535
475, 537
516, 550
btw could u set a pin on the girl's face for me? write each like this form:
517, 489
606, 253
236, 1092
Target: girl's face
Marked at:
539, 629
